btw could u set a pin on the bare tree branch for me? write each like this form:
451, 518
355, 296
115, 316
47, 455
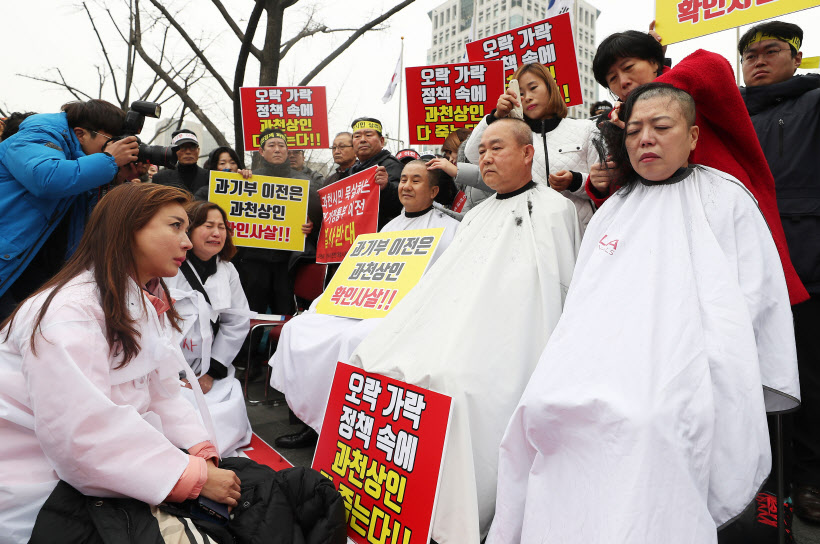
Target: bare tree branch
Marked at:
105, 55
182, 93
77, 93
308, 32
197, 51
236, 30
355, 36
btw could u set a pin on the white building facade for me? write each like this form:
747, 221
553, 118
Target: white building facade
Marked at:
452, 21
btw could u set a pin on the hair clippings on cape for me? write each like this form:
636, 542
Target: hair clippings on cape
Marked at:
760, 36
367, 125
273, 134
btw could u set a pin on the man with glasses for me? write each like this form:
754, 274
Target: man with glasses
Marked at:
188, 175
784, 109
52, 172
343, 156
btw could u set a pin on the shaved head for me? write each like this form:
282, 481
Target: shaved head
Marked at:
521, 131
683, 100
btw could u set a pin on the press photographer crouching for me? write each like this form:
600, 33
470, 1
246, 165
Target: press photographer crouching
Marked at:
52, 172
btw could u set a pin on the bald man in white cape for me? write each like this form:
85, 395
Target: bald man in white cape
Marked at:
311, 344
474, 326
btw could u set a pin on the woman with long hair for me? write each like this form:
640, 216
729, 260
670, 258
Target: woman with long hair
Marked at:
90, 389
216, 318
564, 150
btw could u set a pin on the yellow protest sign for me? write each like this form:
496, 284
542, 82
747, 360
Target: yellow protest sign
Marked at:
378, 271
810, 63
263, 211
679, 20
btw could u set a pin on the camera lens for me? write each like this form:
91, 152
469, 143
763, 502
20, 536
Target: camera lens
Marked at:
158, 155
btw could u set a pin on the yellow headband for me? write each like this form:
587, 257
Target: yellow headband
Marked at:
759, 37
274, 134
368, 125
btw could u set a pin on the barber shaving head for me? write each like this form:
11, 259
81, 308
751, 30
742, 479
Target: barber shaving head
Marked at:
659, 136
273, 146
506, 153
367, 137
770, 53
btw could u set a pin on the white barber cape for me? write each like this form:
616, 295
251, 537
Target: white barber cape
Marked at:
645, 420
67, 412
473, 328
311, 344
225, 401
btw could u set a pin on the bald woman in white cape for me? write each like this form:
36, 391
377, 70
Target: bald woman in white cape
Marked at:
474, 326
645, 420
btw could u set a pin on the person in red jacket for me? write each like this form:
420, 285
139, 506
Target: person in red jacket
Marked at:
728, 142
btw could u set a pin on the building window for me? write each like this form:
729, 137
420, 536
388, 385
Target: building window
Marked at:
481, 17
480, 33
495, 28
514, 4
503, 24
516, 20
435, 40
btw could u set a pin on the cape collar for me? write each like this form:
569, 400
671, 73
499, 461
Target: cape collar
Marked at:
411, 215
679, 175
529, 185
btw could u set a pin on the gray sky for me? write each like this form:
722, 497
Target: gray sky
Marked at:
40, 35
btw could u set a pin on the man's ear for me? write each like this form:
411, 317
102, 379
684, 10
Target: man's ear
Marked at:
434, 190
79, 132
798, 60
694, 132
529, 152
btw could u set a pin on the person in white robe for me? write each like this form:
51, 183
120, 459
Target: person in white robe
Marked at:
474, 326
645, 420
311, 344
89, 372
207, 291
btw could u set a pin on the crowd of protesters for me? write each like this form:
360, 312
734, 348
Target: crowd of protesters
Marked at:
654, 300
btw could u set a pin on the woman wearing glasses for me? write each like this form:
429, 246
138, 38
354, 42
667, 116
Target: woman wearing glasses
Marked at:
727, 142
50, 172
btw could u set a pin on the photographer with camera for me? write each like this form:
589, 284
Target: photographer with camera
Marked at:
51, 174
188, 175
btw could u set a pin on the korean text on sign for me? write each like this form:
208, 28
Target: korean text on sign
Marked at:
378, 271
376, 431
441, 99
350, 207
299, 111
679, 20
263, 211
548, 42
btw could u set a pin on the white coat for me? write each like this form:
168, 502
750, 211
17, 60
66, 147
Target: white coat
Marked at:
67, 413
225, 400
311, 344
570, 148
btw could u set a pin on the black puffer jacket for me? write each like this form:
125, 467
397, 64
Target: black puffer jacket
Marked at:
293, 506
389, 203
786, 117
190, 177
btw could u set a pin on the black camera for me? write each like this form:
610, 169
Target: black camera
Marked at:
134, 119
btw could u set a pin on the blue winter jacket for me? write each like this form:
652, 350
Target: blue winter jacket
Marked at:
44, 174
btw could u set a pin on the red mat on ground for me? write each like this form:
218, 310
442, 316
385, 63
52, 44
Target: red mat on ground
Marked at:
262, 452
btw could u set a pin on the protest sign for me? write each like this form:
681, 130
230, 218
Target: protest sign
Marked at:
264, 211
378, 271
349, 207
548, 42
381, 445
299, 111
441, 99
679, 20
